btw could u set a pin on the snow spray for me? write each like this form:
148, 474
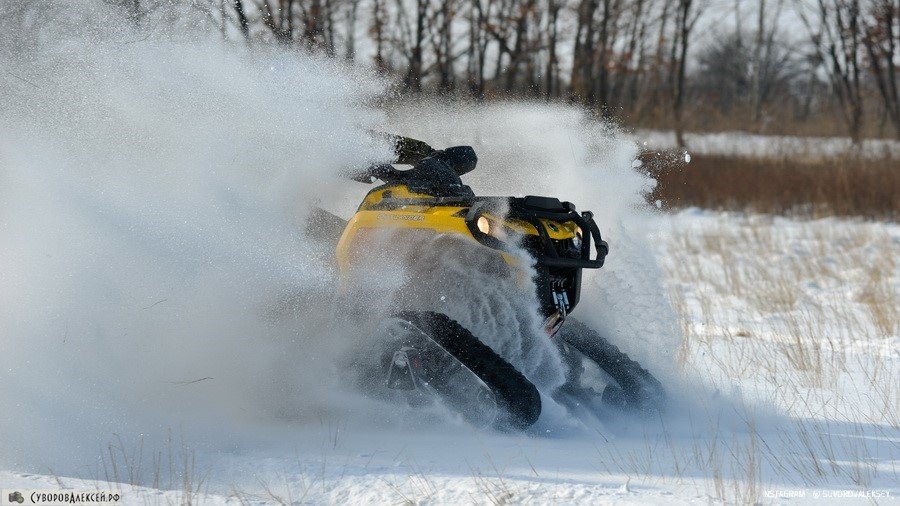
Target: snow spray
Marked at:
154, 186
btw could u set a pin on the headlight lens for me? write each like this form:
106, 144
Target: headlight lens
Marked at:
578, 237
484, 225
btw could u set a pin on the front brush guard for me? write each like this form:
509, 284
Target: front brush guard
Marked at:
549, 257
529, 209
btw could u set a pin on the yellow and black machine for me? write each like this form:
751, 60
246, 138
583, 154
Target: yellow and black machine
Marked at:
432, 356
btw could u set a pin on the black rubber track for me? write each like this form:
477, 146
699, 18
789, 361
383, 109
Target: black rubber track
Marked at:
517, 397
640, 391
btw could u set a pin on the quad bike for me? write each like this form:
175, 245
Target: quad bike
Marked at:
424, 355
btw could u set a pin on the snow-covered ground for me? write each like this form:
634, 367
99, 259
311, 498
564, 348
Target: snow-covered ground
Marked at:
775, 146
790, 326
168, 329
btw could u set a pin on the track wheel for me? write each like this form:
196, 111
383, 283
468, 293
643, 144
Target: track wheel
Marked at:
634, 389
468, 374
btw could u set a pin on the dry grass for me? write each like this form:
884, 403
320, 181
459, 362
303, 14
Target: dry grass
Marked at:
791, 286
768, 322
806, 314
844, 186
171, 476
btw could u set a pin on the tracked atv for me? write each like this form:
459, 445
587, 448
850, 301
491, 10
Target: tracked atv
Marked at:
426, 355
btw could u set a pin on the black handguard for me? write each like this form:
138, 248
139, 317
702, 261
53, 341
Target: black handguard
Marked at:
424, 159
411, 151
461, 159
408, 151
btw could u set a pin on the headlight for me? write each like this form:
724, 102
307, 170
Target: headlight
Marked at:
487, 228
577, 239
484, 225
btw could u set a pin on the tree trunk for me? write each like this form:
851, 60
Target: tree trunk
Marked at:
757, 66
550, 83
242, 18
685, 23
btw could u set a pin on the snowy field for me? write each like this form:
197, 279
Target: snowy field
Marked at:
169, 329
790, 326
752, 145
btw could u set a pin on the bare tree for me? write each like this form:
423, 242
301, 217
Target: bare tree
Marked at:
350, 36
584, 52
633, 58
377, 30
242, 18
551, 71
882, 38
837, 37
412, 42
757, 61
686, 15
442, 44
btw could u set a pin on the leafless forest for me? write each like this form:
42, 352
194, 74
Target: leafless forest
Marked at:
805, 67
794, 68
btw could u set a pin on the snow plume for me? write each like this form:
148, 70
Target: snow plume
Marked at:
154, 268
554, 150
152, 188
486, 296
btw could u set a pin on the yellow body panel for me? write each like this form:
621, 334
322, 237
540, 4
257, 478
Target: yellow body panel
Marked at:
442, 219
